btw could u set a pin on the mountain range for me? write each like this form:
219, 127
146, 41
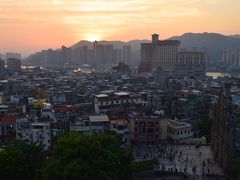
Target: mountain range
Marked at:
235, 36
212, 43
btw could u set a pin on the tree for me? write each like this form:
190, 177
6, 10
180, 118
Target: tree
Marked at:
20, 161
34, 157
204, 127
236, 168
12, 164
87, 157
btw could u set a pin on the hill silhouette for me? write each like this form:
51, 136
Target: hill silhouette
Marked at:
212, 43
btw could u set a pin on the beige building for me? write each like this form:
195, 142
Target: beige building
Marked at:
165, 55
190, 63
159, 54
105, 102
148, 130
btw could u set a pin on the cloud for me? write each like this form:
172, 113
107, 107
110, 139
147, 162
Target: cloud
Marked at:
104, 16
107, 18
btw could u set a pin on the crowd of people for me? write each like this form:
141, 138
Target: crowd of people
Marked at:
188, 159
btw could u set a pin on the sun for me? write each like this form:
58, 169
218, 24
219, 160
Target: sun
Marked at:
56, 2
91, 37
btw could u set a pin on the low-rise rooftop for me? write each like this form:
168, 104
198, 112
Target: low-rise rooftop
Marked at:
102, 118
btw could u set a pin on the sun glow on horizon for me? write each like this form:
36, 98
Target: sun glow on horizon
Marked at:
55, 22
92, 37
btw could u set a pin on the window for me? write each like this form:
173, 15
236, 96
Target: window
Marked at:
141, 124
150, 130
150, 124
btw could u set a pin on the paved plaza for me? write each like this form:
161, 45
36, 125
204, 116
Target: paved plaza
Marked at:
189, 159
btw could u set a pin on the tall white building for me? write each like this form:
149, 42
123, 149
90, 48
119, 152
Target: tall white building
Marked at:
127, 55
2, 64
48, 57
98, 54
84, 55
41, 134
36, 132
14, 64
108, 55
231, 58
91, 124
117, 56
2, 56
13, 55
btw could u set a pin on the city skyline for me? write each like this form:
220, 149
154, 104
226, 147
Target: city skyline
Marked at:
29, 26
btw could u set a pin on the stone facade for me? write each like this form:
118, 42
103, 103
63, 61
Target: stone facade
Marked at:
225, 120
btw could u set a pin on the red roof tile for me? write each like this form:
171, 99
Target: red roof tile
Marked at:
9, 119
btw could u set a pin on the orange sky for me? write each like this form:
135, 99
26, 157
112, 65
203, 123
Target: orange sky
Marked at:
31, 25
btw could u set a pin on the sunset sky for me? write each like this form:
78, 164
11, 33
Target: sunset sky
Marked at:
31, 25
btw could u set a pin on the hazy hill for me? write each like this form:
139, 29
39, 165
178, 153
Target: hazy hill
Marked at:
135, 44
35, 59
237, 36
82, 43
212, 43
